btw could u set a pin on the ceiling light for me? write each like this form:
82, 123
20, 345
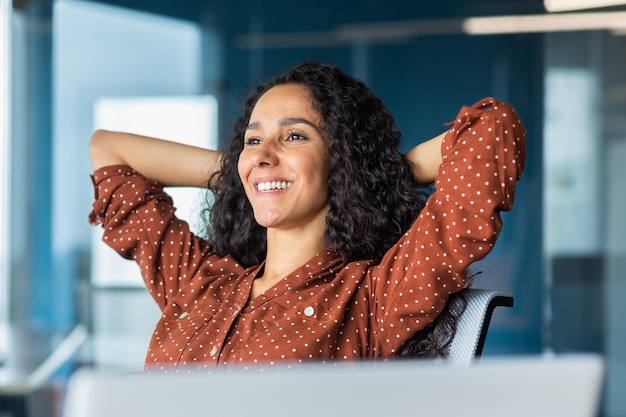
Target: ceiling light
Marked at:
562, 22
565, 5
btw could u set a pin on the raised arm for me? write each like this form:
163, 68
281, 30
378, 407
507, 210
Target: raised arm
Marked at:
483, 157
426, 159
171, 163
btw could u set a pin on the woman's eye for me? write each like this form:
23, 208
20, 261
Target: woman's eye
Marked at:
252, 141
295, 136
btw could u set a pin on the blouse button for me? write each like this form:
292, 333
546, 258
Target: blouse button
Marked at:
183, 315
213, 351
309, 311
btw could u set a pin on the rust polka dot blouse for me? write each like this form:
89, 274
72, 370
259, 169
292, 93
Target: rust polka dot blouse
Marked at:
326, 309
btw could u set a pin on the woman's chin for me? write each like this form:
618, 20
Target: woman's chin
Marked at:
266, 220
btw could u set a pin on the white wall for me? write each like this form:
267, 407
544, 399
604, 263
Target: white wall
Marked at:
572, 155
107, 51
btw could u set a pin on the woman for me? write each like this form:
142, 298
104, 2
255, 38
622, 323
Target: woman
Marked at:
313, 251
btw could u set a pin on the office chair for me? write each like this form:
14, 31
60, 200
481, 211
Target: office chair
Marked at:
473, 324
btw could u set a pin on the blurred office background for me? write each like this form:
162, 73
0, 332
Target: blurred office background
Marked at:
181, 69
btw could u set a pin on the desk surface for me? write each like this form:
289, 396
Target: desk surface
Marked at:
512, 387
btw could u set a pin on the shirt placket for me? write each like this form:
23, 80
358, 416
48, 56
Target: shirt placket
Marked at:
228, 316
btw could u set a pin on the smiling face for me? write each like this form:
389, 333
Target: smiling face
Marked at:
284, 161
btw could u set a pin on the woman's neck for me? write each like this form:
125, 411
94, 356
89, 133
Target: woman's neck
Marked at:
288, 250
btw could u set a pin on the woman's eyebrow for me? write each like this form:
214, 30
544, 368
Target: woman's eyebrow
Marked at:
253, 126
288, 121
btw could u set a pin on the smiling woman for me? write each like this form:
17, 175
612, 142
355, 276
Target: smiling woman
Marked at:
372, 194
322, 244
290, 150
286, 144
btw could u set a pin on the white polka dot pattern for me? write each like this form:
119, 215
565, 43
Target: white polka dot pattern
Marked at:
325, 309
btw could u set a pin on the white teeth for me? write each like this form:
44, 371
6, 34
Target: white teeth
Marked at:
273, 185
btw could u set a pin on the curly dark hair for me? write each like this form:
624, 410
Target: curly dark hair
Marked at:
372, 194
434, 340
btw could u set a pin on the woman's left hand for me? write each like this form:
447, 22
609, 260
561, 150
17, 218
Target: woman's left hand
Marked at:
426, 158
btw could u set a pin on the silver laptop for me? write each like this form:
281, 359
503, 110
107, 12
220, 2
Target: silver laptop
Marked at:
568, 386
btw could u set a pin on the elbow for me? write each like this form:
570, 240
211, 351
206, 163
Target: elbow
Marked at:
102, 149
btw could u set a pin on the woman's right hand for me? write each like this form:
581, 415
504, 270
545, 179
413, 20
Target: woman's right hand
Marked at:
171, 163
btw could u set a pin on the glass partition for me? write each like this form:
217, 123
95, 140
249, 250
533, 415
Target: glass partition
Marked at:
146, 79
584, 188
5, 164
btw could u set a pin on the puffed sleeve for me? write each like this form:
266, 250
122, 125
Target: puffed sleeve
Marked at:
139, 223
483, 157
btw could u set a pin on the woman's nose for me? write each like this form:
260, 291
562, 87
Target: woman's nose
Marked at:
265, 154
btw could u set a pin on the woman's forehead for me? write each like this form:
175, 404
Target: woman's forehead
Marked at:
286, 101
